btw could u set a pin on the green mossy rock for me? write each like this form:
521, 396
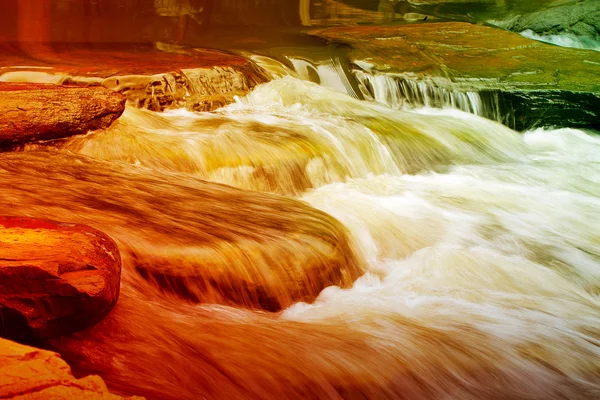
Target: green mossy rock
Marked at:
538, 83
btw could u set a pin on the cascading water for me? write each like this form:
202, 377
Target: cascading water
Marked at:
393, 90
399, 91
330, 74
480, 277
326, 68
292, 135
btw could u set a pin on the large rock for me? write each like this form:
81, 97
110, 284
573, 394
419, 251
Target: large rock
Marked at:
55, 278
580, 19
537, 84
203, 241
31, 112
27, 373
199, 79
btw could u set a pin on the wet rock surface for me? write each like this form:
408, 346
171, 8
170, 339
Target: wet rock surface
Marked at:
32, 112
202, 241
27, 373
538, 84
55, 278
199, 79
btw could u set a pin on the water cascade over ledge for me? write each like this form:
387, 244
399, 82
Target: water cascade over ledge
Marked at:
291, 135
397, 91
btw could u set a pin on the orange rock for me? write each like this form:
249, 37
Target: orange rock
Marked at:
206, 242
27, 373
55, 278
31, 112
198, 79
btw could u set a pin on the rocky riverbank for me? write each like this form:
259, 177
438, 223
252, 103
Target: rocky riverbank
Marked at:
27, 373
206, 271
227, 246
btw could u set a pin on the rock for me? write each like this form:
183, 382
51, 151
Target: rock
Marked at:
199, 240
581, 19
55, 278
537, 84
31, 112
199, 79
27, 373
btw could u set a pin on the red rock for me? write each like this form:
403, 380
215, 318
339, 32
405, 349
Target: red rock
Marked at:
32, 112
27, 373
55, 278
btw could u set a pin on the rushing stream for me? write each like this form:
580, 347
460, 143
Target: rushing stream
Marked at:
472, 264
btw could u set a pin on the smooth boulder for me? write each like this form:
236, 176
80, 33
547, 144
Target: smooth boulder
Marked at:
55, 278
27, 373
32, 112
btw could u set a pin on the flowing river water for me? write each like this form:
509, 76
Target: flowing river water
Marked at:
470, 252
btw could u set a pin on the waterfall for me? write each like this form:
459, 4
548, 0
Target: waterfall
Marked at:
329, 69
402, 253
398, 91
329, 73
335, 137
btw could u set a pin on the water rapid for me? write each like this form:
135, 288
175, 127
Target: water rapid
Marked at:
291, 135
463, 257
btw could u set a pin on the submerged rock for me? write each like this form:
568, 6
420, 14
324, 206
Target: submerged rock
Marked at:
31, 112
27, 373
537, 84
198, 79
202, 241
55, 278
